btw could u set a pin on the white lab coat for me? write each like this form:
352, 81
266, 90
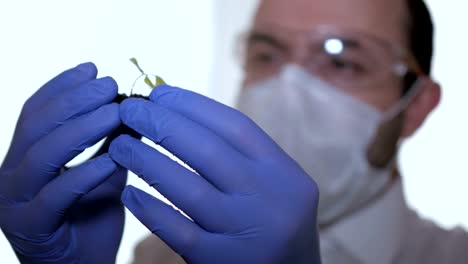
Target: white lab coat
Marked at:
385, 232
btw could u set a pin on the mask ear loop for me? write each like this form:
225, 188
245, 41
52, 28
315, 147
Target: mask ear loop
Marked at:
405, 101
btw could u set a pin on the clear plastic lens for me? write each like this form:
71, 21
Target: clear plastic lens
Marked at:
348, 60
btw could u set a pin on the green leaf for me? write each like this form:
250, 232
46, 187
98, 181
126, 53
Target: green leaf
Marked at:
135, 62
149, 82
159, 81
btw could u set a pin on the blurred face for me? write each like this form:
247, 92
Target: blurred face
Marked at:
367, 32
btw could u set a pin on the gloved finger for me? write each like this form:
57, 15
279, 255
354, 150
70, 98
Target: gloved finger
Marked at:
65, 81
107, 192
181, 234
188, 191
229, 124
195, 145
69, 105
118, 180
103, 207
49, 207
45, 158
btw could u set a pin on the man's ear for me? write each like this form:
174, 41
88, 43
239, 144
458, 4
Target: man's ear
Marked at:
421, 106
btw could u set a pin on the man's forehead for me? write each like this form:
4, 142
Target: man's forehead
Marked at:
382, 18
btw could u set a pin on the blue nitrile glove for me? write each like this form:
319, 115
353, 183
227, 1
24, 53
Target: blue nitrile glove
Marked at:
250, 202
76, 216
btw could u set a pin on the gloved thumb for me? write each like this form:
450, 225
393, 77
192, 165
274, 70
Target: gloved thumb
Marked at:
179, 232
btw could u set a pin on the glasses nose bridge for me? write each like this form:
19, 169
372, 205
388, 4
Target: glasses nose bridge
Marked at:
299, 52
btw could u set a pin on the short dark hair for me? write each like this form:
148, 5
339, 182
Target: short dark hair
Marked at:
421, 34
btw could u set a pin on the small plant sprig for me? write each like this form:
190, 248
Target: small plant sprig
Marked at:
158, 80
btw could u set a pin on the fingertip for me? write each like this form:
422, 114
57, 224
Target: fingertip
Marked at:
122, 140
111, 82
129, 189
129, 109
160, 91
106, 86
105, 162
119, 146
114, 110
130, 103
124, 195
130, 198
87, 68
139, 203
108, 115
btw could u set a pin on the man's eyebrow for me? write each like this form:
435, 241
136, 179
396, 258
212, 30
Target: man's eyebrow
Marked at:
261, 37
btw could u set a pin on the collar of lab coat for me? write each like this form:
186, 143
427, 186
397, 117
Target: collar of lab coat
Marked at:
374, 234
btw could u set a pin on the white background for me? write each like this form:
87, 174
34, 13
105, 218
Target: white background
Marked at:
39, 39
191, 44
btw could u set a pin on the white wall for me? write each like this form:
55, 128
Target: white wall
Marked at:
433, 161
39, 39
233, 19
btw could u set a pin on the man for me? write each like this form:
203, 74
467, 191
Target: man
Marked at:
348, 49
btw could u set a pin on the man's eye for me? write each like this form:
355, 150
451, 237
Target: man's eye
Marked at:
344, 68
261, 55
340, 69
344, 65
265, 57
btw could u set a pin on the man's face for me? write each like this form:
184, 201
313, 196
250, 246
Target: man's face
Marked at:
279, 29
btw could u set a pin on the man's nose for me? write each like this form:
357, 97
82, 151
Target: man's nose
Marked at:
299, 55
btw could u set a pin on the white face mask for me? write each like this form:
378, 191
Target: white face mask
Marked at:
326, 131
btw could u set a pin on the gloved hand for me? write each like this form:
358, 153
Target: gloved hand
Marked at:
76, 216
249, 201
